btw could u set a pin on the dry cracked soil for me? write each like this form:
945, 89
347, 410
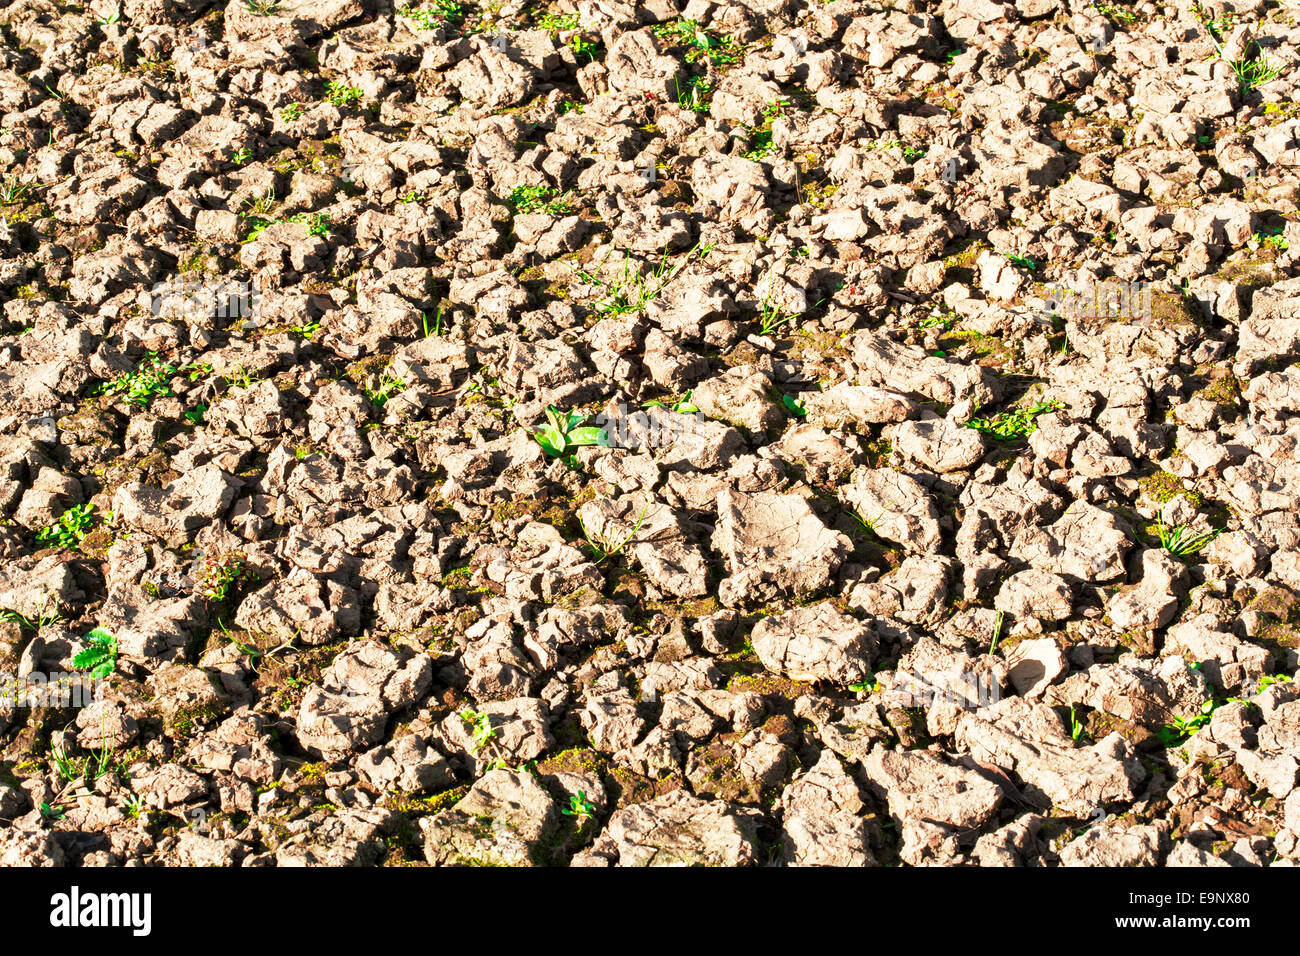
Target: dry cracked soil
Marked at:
753, 432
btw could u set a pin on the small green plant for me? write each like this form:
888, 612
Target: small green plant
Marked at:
794, 406
771, 317
148, 381
694, 94
50, 813
1023, 262
1012, 426
240, 156
580, 807
71, 526
565, 431
682, 406
109, 20
1252, 74
12, 191
1115, 13
528, 199
1180, 729
722, 50
100, 658
997, 631
435, 15
936, 322
480, 727
45, 616
1272, 237
341, 95
1181, 541
1076, 727
292, 112
217, 576
868, 686
605, 547
557, 22
262, 8
868, 525
583, 45
317, 223
436, 328
632, 291
760, 137
388, 386
1268, 680
134, 804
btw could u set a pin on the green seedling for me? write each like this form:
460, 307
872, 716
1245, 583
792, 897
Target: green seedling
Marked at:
341, 95
1179, 729
580, 807
868, 525
1268, 680
771, 318
683, 405
148, 381
1076, 728
1114, 13
1013, 426
794, 406
100, 659
134, 804
480, 727
262, 8
631, 291
1272, 237
292, 112
722, 50
45, 616
528, 199
433, 330
71, 526
1181, 541
604, 547
217, 576
583, 45
389, 385
1252, 74
1023, 262
760, 137
439, 12
565, 431
694, 95
557, 22
997, 632
240, 156
317, 223
13, 192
